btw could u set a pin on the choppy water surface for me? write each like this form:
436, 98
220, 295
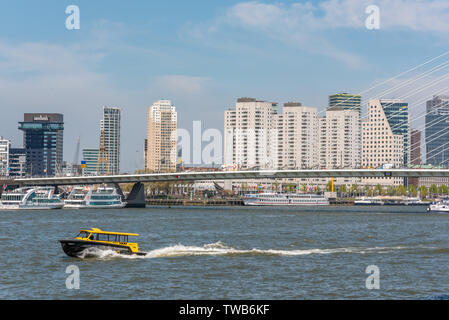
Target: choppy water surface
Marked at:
231, 253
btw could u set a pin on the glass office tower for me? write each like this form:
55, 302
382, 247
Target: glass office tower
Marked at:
43, 143
437, 131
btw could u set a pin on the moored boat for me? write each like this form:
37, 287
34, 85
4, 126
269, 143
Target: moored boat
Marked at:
87, 198
31, 198
285, 199
441, 206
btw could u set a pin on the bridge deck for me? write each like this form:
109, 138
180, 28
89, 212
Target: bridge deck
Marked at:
235, 175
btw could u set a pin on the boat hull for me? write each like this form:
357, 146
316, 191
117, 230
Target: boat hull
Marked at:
31, 207
113, 206
437, 209
251, 203
75, 248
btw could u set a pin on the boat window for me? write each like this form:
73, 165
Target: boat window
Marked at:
82, 235
123, 238
102, 237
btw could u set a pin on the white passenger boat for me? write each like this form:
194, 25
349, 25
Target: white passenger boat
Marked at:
441, 206
368, 201
285, 199
29, 198
102, 198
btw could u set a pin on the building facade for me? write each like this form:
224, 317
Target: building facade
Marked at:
437, 131
251, 134
110, 128
162, 120
415, 146
17, 162
5, 146
382, 142
297, 128
89, 163
346, 101
340, 139
43, 135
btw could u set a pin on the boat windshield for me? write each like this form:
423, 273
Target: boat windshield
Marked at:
82, 235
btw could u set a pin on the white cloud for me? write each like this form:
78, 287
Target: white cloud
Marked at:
305, 25
417, 15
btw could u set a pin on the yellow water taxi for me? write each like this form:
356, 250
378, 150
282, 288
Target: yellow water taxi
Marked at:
99, 239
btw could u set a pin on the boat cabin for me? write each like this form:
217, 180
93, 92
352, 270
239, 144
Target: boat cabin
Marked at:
98, 235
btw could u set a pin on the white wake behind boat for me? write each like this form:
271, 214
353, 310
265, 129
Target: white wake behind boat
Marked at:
285, 199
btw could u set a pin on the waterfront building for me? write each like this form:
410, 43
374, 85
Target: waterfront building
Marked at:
346, 101
5, 146
437, 130
251, 134
398, 118
71, 169
340, 139
17, 162
297, 128
161, 137
415, 153
145, 154
110, 128
383, 138
415, 146
89, 162
43, 142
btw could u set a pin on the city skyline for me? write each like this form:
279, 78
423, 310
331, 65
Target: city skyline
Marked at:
319, 116
228, 50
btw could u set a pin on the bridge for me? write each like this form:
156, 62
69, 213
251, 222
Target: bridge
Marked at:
136, 198
231, 175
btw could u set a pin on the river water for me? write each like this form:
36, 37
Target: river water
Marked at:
231, 253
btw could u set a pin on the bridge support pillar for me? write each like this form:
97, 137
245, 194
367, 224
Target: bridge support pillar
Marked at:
136, 198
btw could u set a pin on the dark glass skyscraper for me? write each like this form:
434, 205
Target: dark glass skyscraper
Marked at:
437, 131
43, 142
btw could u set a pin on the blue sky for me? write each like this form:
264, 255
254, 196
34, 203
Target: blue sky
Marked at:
202, 55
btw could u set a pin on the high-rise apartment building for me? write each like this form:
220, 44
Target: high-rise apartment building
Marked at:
161, 137
340, 139
43, 142
110, 128
5, 146
251, 134
297, 128
90, 161
397, 115
17, 162
383, 141
415, 153
346, 101
415, 146
437, 130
